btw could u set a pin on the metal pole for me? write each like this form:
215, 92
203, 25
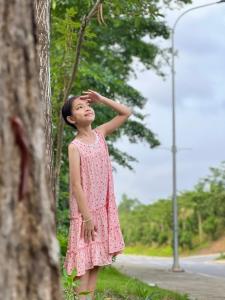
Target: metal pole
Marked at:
176, 266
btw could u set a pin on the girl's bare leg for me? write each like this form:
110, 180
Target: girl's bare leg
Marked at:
92, 280
83, 284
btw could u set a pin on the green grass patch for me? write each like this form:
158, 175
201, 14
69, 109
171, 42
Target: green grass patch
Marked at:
221, 256
150, 251
166, 250
113, 285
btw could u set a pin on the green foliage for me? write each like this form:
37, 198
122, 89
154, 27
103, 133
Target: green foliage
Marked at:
127, 205
62, 238
186, 239
221, 256
201, 216
62, 220
163, 238
114, 285
106, 61
69, 285
210, 226
105, 65
146, 224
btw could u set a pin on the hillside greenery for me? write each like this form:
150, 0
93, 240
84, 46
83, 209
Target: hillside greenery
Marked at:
201, 215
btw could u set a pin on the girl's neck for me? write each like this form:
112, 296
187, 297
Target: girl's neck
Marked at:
85, 132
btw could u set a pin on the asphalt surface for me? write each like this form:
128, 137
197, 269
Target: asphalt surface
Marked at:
204, 264
203, 277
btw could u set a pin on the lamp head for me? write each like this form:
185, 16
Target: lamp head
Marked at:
221, 1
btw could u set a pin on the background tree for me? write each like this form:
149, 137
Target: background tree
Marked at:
42, 19
28, 246
106, 63
69, 80
201, 215
127, 205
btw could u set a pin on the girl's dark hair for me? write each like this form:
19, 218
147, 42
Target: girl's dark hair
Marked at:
67, 110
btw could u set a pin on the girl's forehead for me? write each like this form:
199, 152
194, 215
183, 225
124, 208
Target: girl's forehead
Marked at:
78, 101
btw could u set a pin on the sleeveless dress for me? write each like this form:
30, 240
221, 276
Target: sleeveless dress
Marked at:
97, 184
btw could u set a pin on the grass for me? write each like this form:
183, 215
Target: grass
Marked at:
221, 256
150, 251
113, 285
167, 251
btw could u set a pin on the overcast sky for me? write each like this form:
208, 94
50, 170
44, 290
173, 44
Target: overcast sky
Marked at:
200, 110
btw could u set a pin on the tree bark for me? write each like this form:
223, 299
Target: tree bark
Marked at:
200, 230
29, 250
42, 17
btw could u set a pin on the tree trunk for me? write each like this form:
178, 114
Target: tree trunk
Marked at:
29, 251
42, 16
200, 231
60, 126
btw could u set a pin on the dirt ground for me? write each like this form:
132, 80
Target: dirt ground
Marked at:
215, 247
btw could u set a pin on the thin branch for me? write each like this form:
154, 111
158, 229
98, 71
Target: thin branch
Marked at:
85, 21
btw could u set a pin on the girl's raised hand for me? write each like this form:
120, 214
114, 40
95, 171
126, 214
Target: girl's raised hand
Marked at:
91, 96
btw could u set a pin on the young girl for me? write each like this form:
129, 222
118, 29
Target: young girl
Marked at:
95, 236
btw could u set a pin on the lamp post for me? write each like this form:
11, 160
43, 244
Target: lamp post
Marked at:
176, 266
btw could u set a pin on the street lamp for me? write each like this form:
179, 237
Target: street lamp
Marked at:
176, 266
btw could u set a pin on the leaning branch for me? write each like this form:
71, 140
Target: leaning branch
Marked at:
85, 21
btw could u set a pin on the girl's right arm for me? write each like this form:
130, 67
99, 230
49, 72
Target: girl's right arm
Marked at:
88, 229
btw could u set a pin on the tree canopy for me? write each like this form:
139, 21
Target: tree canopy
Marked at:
109, 48
201, 215
128, 33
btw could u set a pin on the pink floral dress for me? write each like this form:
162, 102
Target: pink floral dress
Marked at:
97, 184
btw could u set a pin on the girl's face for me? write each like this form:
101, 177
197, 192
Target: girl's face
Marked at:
82, 112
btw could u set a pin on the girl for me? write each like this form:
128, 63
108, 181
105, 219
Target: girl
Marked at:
95, 236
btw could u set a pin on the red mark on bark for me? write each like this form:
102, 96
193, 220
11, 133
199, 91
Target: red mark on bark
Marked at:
22, 142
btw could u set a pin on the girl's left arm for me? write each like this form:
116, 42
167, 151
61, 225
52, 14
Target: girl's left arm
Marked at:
123, 111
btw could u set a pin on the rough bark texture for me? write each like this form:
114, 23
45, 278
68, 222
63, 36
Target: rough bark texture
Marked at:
42, 16
29, 251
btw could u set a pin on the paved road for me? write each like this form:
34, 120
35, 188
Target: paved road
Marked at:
204, 264
203, 279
